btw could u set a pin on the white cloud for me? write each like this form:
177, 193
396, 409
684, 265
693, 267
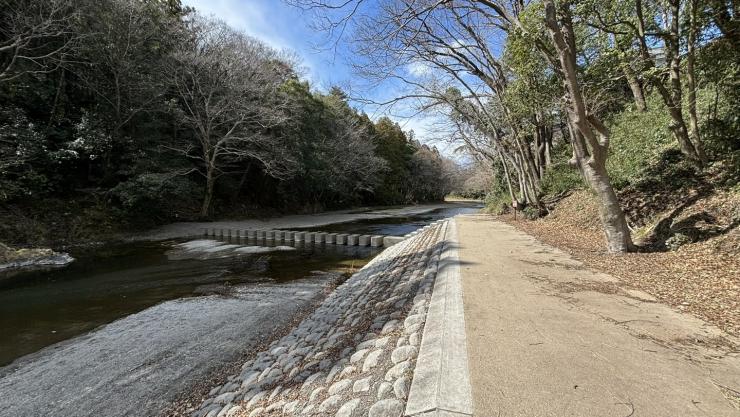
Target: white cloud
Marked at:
251, 17
418, 69
270, 21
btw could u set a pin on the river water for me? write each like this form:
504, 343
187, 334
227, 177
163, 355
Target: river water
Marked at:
398, 225
105, 283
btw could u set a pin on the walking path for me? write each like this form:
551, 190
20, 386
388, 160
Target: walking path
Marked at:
547, 337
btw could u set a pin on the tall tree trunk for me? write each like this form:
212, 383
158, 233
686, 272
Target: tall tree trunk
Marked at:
691, 80
635, 87
548, 147
630, 75
672, 94
618, 235
590, 137
530, 180
507, 175
208, 196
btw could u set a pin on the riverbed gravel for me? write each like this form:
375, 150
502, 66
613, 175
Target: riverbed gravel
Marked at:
137, 366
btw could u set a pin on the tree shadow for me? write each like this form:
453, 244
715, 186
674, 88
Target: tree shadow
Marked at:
672, 185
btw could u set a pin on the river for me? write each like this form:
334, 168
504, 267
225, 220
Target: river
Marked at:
135, 324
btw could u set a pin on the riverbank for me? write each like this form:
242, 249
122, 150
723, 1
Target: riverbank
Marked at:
138, 365
354, 355
12, 259
190, 229
94, 224
135, 352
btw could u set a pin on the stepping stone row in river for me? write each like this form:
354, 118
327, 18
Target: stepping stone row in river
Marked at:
305, 237
355, 355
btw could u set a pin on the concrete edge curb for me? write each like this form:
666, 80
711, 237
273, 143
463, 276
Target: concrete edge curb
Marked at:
441, 382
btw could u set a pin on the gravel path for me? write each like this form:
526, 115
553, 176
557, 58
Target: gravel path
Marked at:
355, 355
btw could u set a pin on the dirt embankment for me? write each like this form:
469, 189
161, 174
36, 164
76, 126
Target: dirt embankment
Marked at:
689, 250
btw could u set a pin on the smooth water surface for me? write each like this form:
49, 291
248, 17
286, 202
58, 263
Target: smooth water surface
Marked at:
398, 226
40, 308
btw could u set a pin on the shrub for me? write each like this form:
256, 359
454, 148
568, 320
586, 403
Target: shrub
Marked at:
560, 178
156, 197
497, 202
637, 141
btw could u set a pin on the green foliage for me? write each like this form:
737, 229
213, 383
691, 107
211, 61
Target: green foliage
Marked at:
107, 133
393, 146
561, 178
156, 197
497, 202
638, 139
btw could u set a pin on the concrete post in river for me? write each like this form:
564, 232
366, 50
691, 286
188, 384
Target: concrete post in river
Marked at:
320, 238
331, 238
376, 241
341, 239
299, 236
270, 235
392, 240
352, 240
363, 240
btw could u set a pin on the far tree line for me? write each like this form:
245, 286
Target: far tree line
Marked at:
147, 108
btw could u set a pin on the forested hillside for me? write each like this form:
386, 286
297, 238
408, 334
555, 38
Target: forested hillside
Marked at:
123, 114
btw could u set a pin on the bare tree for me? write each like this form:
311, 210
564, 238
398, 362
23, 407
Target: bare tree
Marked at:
228, 87
350, 152
454, 39
35, 36
454, 43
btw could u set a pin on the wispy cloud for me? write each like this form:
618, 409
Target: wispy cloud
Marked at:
287, 28
418, 69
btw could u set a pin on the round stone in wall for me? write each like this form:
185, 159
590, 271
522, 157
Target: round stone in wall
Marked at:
386, 408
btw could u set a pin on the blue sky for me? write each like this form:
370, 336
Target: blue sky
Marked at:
285, 27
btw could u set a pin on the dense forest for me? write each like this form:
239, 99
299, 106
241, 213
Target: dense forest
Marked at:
634, 100
123, 114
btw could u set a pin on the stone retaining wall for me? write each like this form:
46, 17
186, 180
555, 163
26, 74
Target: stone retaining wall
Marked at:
355, 355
